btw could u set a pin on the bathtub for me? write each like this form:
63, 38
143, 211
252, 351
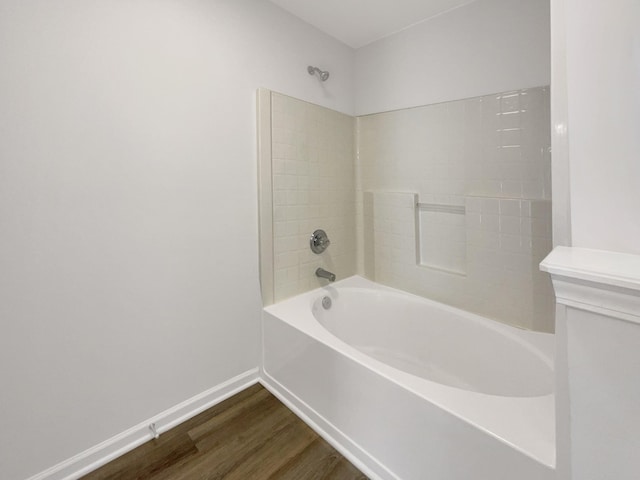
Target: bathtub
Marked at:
408, 388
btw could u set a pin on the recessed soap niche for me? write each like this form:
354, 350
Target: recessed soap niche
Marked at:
441, 237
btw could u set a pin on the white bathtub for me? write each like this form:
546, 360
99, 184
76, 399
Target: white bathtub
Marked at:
408, 388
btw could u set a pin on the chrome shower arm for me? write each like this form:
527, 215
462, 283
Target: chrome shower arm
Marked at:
323, 74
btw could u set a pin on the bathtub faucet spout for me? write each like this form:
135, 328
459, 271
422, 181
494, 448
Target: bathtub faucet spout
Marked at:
322, 273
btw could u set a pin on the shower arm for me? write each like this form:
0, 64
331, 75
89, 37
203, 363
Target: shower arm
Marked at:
323, 74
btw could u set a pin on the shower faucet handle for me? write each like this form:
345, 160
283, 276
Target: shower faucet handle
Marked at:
319, 241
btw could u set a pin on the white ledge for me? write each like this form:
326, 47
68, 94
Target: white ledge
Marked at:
595, 280
597, 266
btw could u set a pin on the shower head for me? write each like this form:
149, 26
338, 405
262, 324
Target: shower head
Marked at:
323, 74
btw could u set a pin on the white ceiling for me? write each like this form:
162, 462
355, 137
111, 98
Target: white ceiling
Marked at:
359, 22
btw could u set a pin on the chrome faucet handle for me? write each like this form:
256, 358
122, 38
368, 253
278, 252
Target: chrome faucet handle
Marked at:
319, 241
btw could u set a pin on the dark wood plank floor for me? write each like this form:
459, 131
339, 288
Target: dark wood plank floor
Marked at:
251, 436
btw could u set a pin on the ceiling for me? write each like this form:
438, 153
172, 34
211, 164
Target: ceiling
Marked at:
359, 22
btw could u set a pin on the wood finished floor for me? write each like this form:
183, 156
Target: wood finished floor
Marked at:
250, 436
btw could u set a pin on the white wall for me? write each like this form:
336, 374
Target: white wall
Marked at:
128, 246
604, 121
561, 213
604, 393
596, 117
484, 47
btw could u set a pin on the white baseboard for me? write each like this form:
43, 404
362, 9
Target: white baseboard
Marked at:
124, 442
335, 437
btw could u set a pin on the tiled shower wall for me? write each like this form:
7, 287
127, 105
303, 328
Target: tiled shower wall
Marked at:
448, 201
313, 187
454, 203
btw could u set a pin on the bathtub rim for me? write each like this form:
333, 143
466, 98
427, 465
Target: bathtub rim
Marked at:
495, 415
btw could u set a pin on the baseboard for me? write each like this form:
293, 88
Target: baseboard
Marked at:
124, 442
336, 438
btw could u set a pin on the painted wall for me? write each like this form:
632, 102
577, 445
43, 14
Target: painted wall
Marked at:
604, 121
129, 246
596, 117
559, 131
561, 213
481, 48
603, 363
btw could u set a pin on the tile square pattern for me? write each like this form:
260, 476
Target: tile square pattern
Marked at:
313, 187
490, 157
449, 201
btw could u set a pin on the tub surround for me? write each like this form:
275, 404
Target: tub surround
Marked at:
393, 424
312, 178
486, 253
598, 295
448, 201
482, 168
